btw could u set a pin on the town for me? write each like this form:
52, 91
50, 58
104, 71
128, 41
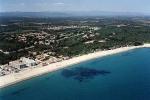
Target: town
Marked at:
27, 43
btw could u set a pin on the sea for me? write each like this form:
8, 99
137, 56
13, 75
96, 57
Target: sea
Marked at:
122, 76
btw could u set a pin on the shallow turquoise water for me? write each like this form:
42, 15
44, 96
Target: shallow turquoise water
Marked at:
128, 79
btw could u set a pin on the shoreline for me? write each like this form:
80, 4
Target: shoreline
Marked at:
30, 73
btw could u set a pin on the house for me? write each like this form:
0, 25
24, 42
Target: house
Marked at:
28, 62
18, 64
23, 63
0, 68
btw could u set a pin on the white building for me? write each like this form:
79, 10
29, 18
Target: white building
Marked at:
18, 64
28, 62
0, 68
23, 63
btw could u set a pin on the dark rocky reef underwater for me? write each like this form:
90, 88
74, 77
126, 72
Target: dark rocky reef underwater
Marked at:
81, 73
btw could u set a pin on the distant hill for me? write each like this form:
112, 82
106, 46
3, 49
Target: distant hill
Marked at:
34, 14
68, 14
103, 13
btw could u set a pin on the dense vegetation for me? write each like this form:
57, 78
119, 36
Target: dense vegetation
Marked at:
112, 32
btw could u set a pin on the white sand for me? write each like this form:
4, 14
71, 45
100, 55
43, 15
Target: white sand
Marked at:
29, 73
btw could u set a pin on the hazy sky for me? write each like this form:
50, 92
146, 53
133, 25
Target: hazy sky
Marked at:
75, 5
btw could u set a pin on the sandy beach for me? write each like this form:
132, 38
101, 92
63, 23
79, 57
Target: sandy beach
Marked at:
29, 73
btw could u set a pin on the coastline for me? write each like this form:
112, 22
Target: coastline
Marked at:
30, 73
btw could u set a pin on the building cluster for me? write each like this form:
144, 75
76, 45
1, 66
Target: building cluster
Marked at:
27, 63
16, 66
64, 27
46, 39
69, 27
45, 59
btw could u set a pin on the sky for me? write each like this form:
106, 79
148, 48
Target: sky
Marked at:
142, 6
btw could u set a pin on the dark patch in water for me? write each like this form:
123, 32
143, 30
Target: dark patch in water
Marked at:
14, 93
81, 73
47, 78
19, 91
